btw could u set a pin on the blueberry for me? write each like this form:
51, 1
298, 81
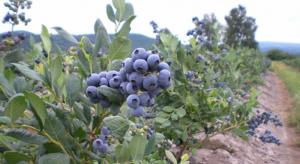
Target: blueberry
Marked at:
7, 17
115, 82
105, 103
102, 74
164, 79
139, 111
94, 100
199, 58
133, 101
123, 74
145, 99
91, 92
153, 61
136, 78
150, 82
103, 81
139, 53
105, 131
131, 88
123, 87
93, 80
127, 64
111, 74
140, 65
190, 74
99, 146
163, 65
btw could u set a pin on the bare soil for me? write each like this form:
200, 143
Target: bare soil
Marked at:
229, 149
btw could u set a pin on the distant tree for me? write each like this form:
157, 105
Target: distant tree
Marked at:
207, 31
240, 30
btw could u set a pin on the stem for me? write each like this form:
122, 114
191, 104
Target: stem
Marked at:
55, 142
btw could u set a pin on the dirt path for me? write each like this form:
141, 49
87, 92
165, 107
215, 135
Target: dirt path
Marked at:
228, 149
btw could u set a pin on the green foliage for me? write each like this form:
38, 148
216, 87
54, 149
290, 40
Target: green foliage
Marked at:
240, 30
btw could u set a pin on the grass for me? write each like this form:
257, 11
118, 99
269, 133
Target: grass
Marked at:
291, 78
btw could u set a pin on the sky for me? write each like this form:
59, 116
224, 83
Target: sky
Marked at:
277, 20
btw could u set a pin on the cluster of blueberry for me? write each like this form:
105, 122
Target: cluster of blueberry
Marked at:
15, 17
8, 40
140, 80
199, 30
269, 137
264, 118
100, 144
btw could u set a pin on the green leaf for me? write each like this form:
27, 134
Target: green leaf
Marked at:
171, 157
150, 146
56, 68
45, 37
119, 48
116, 65
38, 107
6, 87
180, 112
16, 107
5, 120
54, 158
117, 125
110, 13
54, 127
137, 147
125, 29
168, 109
102, 37
113, 95
15, 157
122, 152
7, 141
25, 136
78, 109
20, 84
28, 72
65, 35
129, 11
120, 6
73, 87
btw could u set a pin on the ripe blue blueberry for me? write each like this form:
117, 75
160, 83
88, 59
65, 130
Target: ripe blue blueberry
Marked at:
93, 80
145, 99
123, 88
111, 74
137, 112
139, 53
102, 74
133, 101
123, 74
105, 103
150, 82
164, 79
115, 82
103, 81
163, 65
105, 131
99, 146
136, 78
131, 88
140, 65
91, 91
153, 61
127, 64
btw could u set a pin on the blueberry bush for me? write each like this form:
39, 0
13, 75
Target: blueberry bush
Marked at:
103, 102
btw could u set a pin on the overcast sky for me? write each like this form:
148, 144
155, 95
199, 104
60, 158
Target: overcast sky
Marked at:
277, 20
